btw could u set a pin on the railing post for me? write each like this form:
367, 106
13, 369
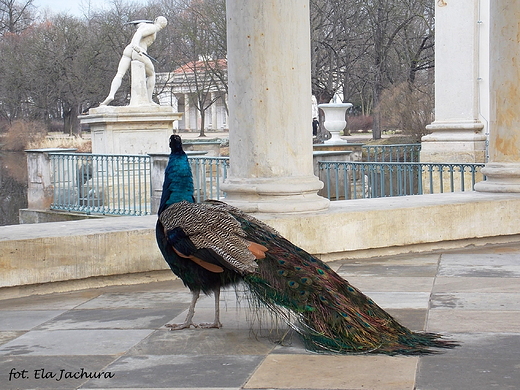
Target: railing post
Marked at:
40, 189
158, 163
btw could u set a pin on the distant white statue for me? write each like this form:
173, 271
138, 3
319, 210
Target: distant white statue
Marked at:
137, 50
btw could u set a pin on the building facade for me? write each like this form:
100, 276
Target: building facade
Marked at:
193, 88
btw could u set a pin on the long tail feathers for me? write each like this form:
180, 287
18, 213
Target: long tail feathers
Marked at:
331, 315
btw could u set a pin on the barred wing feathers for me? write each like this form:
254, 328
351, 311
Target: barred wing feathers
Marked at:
207, 227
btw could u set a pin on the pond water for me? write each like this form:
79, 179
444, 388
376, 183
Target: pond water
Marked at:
13, 186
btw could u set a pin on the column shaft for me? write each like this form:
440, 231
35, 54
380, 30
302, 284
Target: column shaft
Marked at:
457, 132
187, 118
214, 120
270, 120
503, 169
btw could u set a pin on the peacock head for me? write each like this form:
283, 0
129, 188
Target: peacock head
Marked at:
176, 143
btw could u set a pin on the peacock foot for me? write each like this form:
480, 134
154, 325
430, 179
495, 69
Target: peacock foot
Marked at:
210, 325
185, 325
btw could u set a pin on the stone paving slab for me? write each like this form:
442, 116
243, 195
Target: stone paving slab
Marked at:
110, 319
74, 342
467, 374
400, 300
55, 301
179, 371
203, 342
477, 301
7, 336
475, 284
388, 270
388, 283
335, 372
463, 321
496, 265
418, 259
143, 300
483, 362
414, 319
13, 320
45, 372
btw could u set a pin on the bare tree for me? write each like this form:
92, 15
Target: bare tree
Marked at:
15, 16
407, 100
324, 49
14, 86
202, 41
362, 47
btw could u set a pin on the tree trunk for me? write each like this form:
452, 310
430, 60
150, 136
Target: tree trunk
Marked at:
202, 123
71, 121
67, 124
376, 114
377, 87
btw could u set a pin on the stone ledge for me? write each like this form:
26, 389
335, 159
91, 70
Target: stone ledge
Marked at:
30, 216
368, 224
85, 284
76, 250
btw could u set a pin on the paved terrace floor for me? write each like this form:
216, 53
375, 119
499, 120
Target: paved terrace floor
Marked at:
471, 295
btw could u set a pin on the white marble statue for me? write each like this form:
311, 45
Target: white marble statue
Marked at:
137, 51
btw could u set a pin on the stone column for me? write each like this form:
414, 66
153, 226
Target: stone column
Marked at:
457, 132
503, 169
226, 116
270, 137
186, 111
174, 103
214, 124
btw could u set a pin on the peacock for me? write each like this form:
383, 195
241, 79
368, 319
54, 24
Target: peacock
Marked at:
211, 245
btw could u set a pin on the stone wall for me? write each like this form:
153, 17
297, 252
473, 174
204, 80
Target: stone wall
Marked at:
81, 250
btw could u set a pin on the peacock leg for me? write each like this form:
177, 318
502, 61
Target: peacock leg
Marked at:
216, 323
188, 322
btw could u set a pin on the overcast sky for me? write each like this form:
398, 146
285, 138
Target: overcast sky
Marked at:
71, 7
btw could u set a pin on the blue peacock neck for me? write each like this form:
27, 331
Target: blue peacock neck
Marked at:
178, 179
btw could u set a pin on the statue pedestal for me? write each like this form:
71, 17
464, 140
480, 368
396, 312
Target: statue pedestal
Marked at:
130, 129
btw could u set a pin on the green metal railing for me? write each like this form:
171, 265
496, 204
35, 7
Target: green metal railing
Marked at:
355, 180
208, 174
101, 183
391, 153
121, 184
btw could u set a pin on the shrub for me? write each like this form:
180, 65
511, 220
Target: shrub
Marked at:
20, 134
408, 107
81, 145
359, 123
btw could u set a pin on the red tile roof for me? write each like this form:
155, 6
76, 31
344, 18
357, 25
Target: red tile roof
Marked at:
190, 67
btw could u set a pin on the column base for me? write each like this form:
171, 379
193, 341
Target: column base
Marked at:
457, 130
275, 195
500, 177
454, 142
